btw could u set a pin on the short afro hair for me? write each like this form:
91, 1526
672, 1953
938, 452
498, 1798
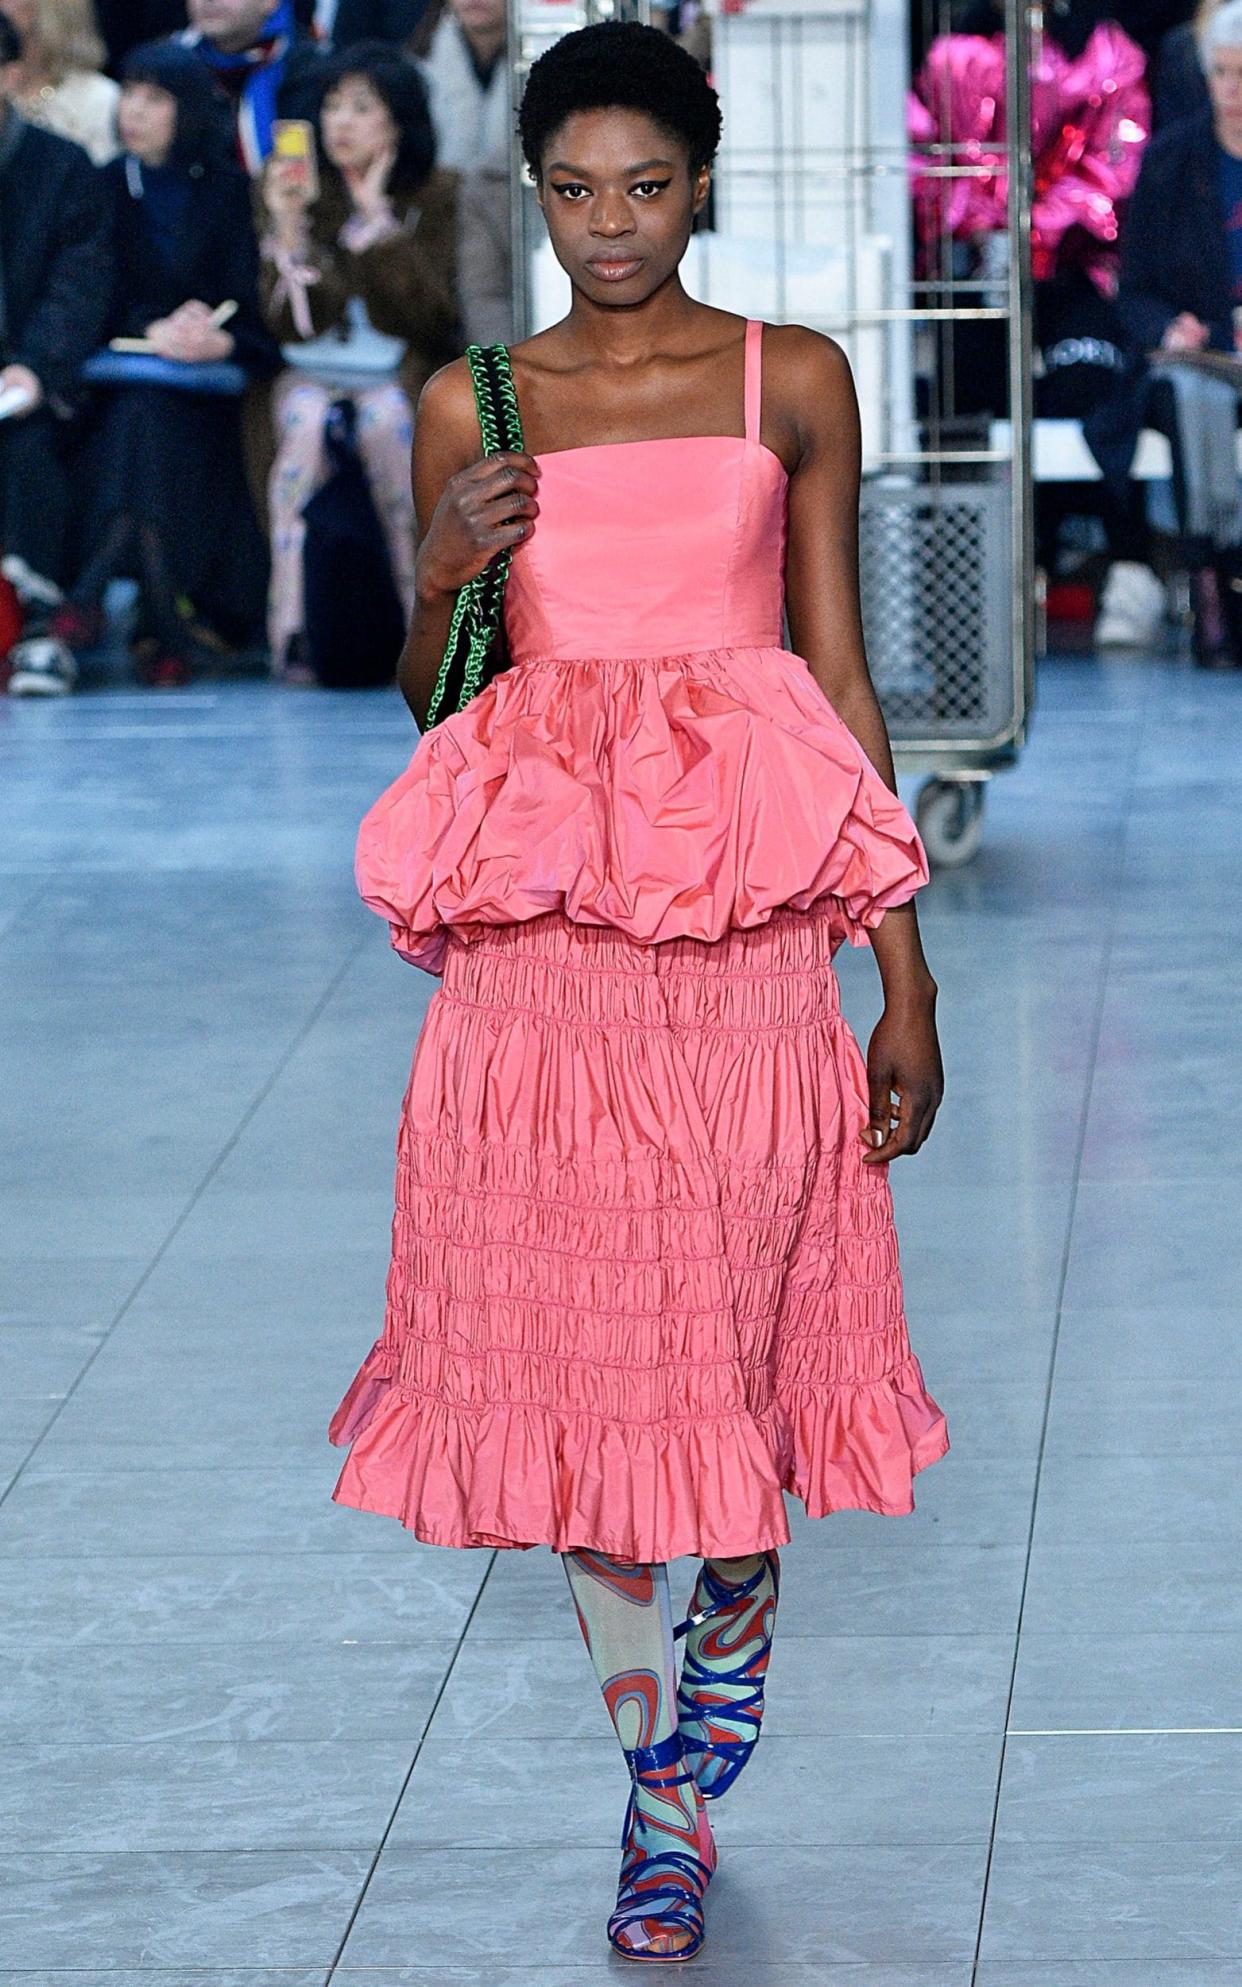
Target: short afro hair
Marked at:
620, 65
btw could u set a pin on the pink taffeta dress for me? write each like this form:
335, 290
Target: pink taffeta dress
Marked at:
641, 1282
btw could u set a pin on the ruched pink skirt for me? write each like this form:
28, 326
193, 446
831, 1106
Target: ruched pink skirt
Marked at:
641, 1282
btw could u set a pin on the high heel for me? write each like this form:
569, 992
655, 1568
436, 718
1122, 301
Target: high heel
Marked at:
660, 1895
720, 1710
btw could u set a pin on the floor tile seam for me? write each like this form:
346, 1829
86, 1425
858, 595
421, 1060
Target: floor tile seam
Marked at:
604, 1843
416, 1643
1102, 966
919, 1735
200, 1741
445, 1680
1122, 1731
62, 1854
410, 1849
196, 1194
295, 1640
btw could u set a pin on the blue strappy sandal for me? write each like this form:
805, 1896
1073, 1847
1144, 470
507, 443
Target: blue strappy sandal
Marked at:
719, 1755
662, 1893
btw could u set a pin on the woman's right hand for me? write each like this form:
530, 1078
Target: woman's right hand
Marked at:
483, 508
285, 193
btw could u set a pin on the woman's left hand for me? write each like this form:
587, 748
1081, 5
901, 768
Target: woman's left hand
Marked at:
369, 191
903, 1057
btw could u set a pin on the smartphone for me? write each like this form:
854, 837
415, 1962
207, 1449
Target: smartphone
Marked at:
293, 142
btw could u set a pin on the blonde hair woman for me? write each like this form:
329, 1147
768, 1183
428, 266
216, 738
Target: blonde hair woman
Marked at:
57, 83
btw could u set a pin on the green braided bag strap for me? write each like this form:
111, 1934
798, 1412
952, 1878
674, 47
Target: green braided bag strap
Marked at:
475, 627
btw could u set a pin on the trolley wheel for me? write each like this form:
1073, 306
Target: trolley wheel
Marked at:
949, 816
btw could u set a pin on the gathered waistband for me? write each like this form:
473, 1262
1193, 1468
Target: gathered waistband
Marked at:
777, 974
671, 658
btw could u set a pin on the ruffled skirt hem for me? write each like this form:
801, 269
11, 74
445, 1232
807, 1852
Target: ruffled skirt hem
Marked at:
517, 1475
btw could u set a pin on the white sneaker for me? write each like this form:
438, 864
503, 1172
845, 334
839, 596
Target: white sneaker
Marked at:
42, 667
31, 588
1132, 608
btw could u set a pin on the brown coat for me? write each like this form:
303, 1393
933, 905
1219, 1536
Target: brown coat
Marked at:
408, 282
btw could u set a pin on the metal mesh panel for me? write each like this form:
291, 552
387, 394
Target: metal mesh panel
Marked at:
934, 569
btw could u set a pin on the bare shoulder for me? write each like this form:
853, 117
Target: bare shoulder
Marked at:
800, 363
447, 424
808, 384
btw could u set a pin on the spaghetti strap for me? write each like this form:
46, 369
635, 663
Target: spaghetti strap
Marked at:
754, 376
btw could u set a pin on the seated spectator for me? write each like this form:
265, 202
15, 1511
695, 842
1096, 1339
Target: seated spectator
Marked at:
166, 498
263, 62
1181, 291
360, 287
1082, 367
1178, 85
467, 76
55, 255
57, 84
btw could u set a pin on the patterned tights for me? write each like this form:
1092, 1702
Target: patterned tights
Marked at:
625, 1614
385, 434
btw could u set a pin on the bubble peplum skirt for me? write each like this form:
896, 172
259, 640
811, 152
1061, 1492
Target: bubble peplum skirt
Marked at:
667, 796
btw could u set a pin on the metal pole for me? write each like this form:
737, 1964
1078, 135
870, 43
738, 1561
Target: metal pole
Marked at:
519, 255
1024, 18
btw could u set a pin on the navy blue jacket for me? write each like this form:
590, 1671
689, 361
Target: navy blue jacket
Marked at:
56, 267
1173, 255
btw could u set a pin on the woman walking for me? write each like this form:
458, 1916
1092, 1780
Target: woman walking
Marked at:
644, 1275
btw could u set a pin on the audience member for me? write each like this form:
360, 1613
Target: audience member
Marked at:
124, 24
263, 62
1178, 85
1081, 368
360, 286
485, 255
1181, 292
54, 252
468, 84
166, 494
376, 20
57, 83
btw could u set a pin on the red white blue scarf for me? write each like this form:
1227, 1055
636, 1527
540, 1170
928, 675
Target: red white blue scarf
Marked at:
259, 69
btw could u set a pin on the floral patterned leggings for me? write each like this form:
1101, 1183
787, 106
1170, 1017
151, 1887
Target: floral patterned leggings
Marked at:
385, 436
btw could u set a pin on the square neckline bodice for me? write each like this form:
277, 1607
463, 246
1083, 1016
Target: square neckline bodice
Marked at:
656, 545
752, 400
661, 441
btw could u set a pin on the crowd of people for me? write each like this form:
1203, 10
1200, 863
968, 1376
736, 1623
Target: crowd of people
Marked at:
1136, 245
226, 266
237, 236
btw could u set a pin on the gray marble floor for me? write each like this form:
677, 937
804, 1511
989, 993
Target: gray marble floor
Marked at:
254, 1740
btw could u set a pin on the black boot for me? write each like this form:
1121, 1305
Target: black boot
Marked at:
1227, 567
1210, 635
